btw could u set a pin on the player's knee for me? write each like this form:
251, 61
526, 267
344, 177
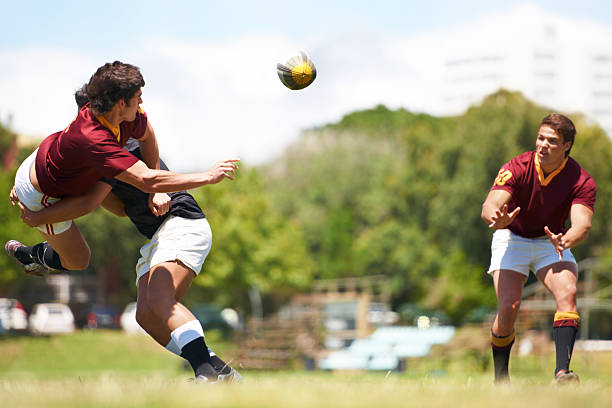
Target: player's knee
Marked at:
76, 264
509, 307
78, 260
567, 297
570, 292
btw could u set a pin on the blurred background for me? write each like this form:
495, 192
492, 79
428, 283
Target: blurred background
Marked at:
352, 237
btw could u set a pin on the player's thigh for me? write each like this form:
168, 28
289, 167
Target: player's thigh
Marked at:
508, 285
559, 278
172, 276
70, 244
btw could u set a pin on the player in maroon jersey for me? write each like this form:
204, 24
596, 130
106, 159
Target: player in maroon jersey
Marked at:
72, 162
528, 205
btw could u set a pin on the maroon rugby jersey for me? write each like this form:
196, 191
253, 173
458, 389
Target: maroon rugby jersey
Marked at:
543, 201
70, 162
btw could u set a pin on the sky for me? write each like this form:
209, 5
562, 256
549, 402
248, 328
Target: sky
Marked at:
212, 90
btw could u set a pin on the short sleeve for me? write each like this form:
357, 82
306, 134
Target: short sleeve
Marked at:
586, 194
507, 177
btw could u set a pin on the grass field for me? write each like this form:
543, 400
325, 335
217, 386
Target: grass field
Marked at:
111, 369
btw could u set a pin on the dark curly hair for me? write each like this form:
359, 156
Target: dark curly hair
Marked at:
111, 83
563, 126
80, 96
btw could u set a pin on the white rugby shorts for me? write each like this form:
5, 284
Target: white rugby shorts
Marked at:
183, 239
511, 251
35, 200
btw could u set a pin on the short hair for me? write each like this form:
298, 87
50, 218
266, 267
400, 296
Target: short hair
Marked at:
80, 96
111, 83
563, 126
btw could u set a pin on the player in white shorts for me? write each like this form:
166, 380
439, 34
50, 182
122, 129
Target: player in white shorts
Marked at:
171, 266
529, 203
179, 244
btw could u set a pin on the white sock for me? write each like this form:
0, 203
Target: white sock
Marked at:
187, 333
173, 348
212, 353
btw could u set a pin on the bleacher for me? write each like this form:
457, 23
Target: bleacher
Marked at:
386, 347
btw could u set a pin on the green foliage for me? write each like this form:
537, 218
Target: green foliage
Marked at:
400, 194
380, 192
253, 246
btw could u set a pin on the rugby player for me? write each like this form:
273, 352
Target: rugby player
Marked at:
528, 205
179, 242
73, 161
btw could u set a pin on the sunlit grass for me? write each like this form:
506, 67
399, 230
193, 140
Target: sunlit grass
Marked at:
110, 369
298, 389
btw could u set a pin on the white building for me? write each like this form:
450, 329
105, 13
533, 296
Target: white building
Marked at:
556, 62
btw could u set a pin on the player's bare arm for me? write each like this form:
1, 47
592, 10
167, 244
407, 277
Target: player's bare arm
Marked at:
162, 181
159, 203
114, 205
68, 208
495, 209
149, 148
580, 217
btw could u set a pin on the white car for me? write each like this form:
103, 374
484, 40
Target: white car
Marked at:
12, 315
128, 319
51, 318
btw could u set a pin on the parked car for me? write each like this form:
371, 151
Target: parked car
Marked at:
101, 317
128, 319
210, 316
51, 318
12, 315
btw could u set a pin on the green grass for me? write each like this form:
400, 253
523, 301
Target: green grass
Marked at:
111, 369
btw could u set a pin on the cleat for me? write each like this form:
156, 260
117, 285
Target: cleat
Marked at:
567, 377
227, 374
206, 374
30, 268
233, 377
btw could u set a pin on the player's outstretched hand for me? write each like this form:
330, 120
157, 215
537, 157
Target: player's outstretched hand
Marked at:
501, 218
223, 169
557, 241
159, 203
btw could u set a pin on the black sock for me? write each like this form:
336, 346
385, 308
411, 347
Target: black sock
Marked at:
196, 352
564, 345
44, 254
501, 358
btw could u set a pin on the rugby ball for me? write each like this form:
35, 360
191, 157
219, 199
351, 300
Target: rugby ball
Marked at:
297, 72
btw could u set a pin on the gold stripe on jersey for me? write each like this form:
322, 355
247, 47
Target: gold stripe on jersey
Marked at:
115, 129
546, 180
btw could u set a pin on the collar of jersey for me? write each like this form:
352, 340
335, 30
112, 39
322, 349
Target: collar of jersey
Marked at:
546, 180
115, 129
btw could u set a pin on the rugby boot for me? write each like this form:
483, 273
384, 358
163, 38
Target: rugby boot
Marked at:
227, 374
25, 262
567, 377
206, 374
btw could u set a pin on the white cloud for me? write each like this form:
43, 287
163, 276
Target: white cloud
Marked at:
212, 100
